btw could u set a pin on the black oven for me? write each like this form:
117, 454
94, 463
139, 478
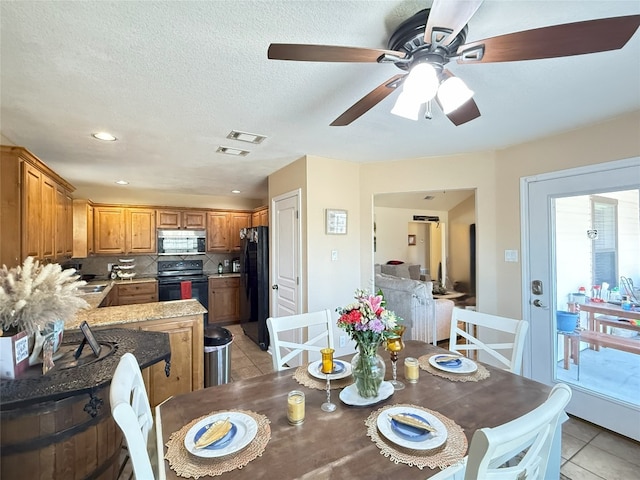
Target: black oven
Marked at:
171, 276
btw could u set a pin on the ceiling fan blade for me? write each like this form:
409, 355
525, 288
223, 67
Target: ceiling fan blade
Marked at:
564, 40
448, 15
467, 112
370, 100
326, 53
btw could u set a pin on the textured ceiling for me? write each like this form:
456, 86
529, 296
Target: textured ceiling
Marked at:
171, 79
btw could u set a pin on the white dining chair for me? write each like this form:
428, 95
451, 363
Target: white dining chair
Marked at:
286, 335
517, 450
465, 324
131, 410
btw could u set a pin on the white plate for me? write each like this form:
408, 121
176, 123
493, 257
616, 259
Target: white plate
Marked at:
349, 395
127, 260
246, 429
126, 274
466, 365
126, 267
421, 442
341, 369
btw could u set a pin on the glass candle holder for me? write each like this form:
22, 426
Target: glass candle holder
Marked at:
295, 407
327, 360
411, 370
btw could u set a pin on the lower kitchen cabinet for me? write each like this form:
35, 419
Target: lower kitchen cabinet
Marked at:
186, 336
224, 300
136, 292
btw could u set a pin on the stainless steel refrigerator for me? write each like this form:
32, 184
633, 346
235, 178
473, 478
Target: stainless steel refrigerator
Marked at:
254, 284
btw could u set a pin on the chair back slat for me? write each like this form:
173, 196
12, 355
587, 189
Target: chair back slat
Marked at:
472, 321
300, 326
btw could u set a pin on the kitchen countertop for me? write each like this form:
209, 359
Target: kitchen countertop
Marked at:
223, 275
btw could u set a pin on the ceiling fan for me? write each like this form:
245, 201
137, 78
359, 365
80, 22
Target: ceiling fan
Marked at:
426, 42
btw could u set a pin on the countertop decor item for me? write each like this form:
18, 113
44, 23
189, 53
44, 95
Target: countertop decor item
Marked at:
33, 295
369, 324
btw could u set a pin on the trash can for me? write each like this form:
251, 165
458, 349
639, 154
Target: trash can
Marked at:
217, 356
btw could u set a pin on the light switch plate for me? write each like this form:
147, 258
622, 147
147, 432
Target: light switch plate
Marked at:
511, 255
334, 255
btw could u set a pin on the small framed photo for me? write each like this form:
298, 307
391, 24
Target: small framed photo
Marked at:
411, 239
90, 339
336, 222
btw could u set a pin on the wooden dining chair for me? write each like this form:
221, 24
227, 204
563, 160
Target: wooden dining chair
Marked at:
517, 450
463, 336
286, 336
131, 410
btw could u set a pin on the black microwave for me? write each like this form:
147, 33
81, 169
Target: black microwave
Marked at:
182, 242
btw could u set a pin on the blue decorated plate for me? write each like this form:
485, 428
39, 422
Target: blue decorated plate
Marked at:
462, 365
223, 442
413, 434
341, 369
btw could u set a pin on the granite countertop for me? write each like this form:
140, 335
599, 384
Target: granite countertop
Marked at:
223, 275
72, 377
114, 316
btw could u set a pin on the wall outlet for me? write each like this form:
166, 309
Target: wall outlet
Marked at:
343, 341
226, 262
109, 267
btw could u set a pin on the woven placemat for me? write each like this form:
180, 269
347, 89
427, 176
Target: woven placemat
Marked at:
480, 374
303, 378
189, 466
450, 453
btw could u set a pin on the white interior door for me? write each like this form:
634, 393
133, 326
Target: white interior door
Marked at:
285, 252
549, 254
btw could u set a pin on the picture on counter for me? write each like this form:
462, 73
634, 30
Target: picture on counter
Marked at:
412, 239
88, 338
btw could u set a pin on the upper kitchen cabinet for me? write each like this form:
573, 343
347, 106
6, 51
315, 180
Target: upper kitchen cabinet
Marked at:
260, 217
82, 228
223, 229
181, 219
119, 230
238, 221
35, 205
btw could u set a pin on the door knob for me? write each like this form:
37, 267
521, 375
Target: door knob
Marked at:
538, 303
274, 287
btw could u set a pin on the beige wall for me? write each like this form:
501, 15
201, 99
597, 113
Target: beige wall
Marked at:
459, 262
610, 140
468, 171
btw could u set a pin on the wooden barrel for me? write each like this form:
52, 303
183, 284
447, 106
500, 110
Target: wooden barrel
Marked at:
72, 438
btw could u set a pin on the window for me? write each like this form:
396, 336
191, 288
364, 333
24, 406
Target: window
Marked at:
604, 220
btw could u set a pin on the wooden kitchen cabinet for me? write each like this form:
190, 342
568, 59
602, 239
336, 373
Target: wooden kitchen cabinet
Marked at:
124, 230
131, 293
223, 229
224, 300
140, 230
109, 230
82, 228
34, 203
181, 219
260, 217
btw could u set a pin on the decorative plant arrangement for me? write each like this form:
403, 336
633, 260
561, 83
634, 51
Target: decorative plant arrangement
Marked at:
369, 324
34, 295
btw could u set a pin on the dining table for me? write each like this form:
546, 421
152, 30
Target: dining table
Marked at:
336, 445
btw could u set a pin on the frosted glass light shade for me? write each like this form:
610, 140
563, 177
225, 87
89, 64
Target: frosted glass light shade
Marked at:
406, 107
452, 94
421, 83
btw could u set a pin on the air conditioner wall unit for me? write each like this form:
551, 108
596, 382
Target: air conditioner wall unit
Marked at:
426, 218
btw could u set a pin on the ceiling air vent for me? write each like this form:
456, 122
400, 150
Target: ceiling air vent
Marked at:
425, 218
233, 151
246, 137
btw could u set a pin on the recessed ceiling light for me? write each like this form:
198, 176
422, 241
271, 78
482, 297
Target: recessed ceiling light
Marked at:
246, 137
122, 182
104, 136
233, 151
235, 191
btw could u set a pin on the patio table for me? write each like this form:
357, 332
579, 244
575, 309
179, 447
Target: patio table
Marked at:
336, 445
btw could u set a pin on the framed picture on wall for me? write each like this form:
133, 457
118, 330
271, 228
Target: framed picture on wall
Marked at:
336, 222
411, 240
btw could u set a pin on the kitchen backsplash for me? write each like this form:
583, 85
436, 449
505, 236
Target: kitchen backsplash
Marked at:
147, 265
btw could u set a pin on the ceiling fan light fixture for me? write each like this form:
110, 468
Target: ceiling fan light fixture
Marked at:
453, 93
406, 106
422, 82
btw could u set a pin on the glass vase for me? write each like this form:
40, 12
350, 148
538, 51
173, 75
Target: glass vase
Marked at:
368, 369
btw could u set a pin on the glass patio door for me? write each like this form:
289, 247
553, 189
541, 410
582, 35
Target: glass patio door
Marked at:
584, 231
